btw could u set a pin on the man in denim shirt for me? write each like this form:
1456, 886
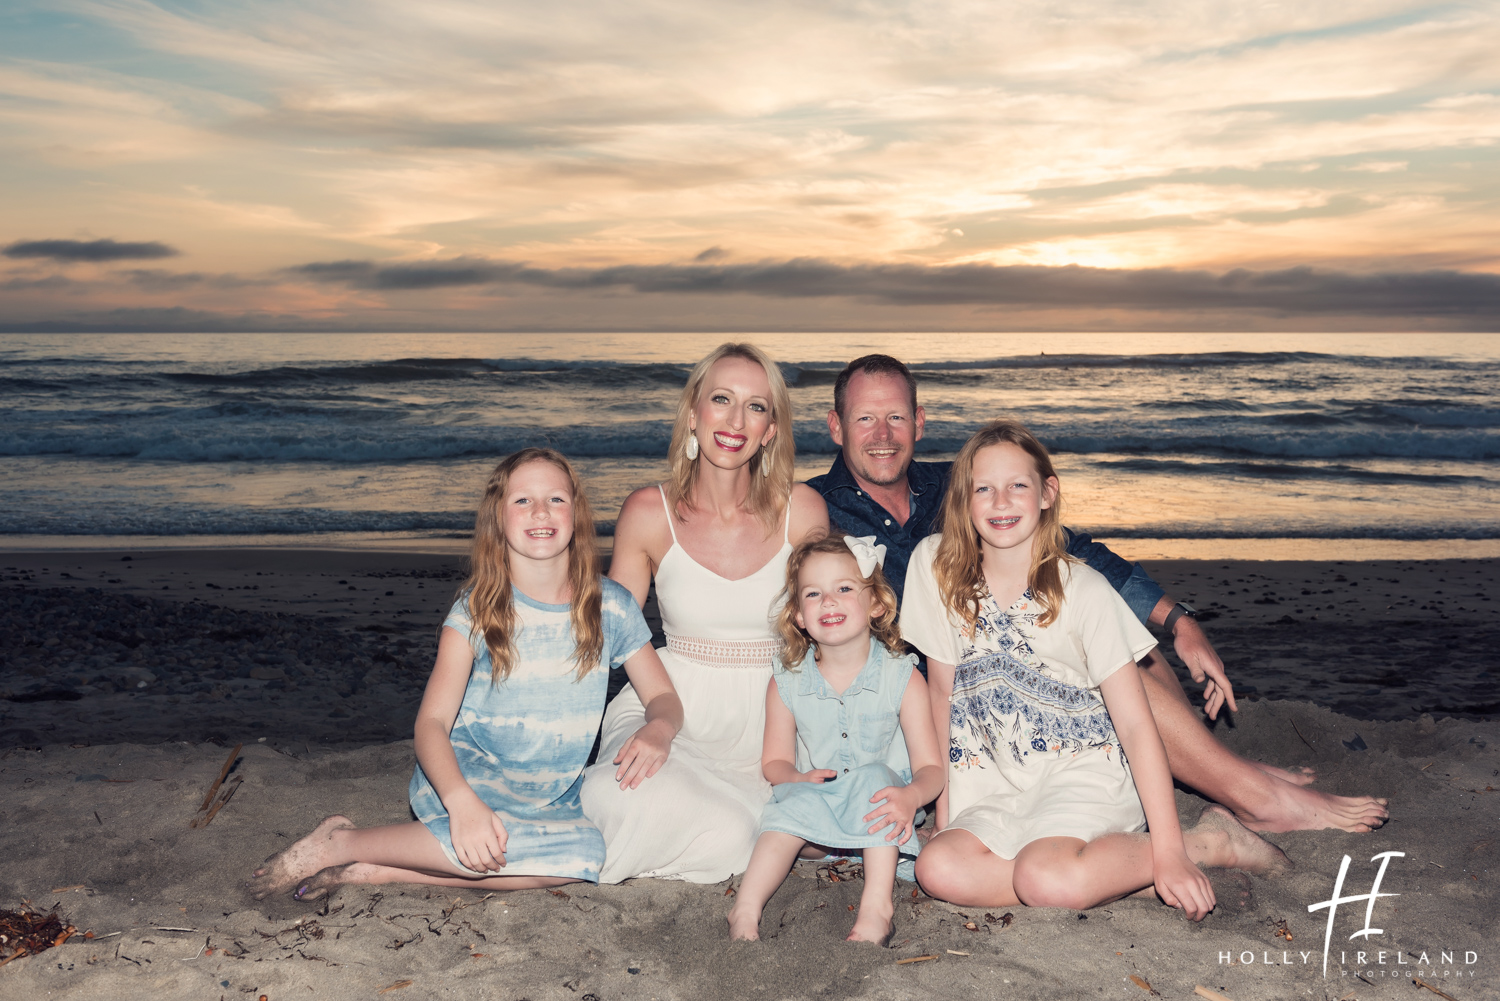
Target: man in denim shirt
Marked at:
875, 488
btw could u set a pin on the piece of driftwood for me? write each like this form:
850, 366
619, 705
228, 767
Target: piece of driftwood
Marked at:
225, 795
398, 985
914, 959
223, 774
1419, 982
1212, 995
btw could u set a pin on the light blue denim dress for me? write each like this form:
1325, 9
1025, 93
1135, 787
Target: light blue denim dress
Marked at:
522, 744
857, 734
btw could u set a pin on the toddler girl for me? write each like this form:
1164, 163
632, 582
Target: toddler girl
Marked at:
1031, 657
511, 710
847, 725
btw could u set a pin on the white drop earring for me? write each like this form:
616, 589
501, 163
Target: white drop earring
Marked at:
765, 462
692, 446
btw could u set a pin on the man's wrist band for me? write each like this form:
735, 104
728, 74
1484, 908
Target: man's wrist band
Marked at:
1178, 611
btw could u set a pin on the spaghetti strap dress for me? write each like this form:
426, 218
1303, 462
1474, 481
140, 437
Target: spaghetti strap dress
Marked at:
697, 819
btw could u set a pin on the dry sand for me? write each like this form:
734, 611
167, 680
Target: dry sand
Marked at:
101, 829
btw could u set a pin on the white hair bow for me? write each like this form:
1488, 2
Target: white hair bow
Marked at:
866, 553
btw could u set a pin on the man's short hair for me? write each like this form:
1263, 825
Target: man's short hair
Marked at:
872, 365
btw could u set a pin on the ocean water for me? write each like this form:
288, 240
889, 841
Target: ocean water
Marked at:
387, 439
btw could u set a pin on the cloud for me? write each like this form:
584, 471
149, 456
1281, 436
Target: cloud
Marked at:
159, 280
92, 251
176, 318
455, 273
1299, 290
457, 137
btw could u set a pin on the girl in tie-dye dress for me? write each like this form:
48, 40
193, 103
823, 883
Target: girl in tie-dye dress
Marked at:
511, 710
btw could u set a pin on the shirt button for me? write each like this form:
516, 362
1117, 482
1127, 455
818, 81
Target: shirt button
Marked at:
846, 771
888, 521
846, 736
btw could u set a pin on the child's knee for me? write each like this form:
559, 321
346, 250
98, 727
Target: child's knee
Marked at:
1049, 884
940, 872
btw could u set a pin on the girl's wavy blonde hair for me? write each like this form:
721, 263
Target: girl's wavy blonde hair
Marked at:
768, 493
487, 592
795, 642
957, 564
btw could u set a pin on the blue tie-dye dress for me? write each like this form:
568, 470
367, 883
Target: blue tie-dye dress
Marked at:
522, 744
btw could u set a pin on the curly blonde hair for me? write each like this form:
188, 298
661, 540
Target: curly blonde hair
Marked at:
957, 564
487, 592
795, 642
768, 493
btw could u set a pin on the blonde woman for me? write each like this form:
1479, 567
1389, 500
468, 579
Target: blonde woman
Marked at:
715, 537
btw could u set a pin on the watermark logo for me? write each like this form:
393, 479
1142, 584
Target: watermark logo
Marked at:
1332, 904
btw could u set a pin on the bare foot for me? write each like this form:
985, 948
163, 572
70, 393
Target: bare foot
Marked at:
743, 926
1232, 889
1283, 806
1220, 841
323, 882
1297, 775
871, 926
282, 871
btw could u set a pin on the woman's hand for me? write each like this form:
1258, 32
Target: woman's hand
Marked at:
899, 808
478, 835
1179, 883
644, 753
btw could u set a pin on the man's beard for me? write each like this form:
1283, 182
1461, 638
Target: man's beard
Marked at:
884, 480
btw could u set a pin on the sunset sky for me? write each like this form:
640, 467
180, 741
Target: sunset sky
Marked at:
456, 165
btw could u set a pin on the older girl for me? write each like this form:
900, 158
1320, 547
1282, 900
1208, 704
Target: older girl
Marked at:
1031, 657
511, 710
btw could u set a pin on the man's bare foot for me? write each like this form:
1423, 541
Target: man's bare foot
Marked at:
1282, 806
282, 871
1297, 775
1220, 841
744, 926
870, 926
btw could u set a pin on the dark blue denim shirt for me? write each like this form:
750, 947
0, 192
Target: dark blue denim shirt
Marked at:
855, 513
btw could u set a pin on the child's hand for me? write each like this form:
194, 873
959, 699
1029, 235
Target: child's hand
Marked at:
1182, 884
479, 837
900, 808
643, 754
818, 775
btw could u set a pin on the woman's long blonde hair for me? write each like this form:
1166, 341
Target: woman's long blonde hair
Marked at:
492, 605
957, 565
795, 642
769, 492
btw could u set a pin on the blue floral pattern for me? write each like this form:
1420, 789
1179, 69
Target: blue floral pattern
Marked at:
1006, 702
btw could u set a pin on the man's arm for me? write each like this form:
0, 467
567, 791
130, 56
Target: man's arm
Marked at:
1135, 585
1151, 604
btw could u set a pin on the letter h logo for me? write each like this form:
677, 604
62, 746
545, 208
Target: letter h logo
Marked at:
1384, 858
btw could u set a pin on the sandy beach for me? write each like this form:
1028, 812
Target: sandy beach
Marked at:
125, 682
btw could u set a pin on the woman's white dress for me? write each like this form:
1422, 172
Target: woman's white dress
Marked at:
697, 819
